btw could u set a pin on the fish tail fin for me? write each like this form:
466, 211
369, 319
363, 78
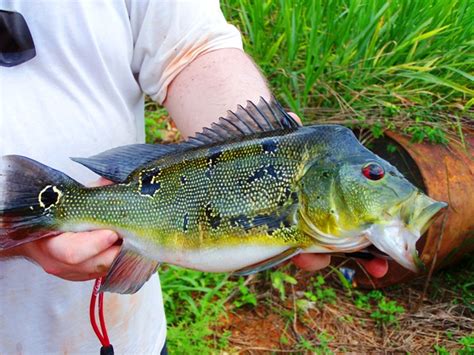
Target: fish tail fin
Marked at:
29, 194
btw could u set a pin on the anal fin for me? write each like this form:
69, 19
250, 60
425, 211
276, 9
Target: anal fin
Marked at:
269, 263
129, 272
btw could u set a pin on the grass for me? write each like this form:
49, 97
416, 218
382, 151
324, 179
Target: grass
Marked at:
409, 61
287, 309
319, 314
194, 302
401, 65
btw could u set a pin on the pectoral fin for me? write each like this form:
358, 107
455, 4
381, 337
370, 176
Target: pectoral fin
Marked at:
129, 272
269, 263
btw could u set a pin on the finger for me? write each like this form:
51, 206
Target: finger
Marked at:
93, 268
101, 182
376, 267
312, 262
96, 267
75, 248
295, 117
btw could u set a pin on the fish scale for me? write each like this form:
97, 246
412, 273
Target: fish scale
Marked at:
243, 195
228, 190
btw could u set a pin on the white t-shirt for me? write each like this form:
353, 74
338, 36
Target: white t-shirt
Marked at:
80, 95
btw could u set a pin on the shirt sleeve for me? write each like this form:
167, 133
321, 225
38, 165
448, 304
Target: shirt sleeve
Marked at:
168, 35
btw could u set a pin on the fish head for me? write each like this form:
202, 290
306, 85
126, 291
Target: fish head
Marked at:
364, 200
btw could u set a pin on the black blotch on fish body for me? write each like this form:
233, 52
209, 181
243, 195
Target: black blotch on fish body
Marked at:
269, 146
294, 197
214, 219
185, 222
258, 174
183, 179
261, 172
148, 187
271, 171
273, 221
240, 221
49, 197
213, 157
211, 161
289, 195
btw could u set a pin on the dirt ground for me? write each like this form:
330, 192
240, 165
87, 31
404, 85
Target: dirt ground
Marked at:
439, 318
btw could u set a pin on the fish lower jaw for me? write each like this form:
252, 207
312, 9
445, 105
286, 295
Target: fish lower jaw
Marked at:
397, 241
343, 245
392, 238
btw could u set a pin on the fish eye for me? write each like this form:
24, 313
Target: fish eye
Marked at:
373, 171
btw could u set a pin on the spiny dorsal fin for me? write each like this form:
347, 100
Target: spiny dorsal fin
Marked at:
118, 163
245, 121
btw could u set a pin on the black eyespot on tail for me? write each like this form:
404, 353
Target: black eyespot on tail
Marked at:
29, 190
49, 196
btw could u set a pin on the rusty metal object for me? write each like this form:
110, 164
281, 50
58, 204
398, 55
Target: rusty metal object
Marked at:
445, 174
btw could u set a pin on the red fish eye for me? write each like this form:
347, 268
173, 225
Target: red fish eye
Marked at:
373, 171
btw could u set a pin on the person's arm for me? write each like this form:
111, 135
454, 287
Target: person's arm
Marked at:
209, 86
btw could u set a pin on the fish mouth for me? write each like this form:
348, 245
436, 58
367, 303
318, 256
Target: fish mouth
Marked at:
397, 238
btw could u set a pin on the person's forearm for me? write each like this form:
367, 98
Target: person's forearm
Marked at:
10, 253
212, 84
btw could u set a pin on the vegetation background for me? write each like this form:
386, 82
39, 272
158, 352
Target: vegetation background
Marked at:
402, 65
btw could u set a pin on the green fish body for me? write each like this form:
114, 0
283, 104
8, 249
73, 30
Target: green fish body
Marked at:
246, 194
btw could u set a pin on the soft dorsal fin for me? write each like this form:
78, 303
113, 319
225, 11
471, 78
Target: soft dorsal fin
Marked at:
246, 121
118, 163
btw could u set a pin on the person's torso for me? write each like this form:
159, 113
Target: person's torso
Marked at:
77, 97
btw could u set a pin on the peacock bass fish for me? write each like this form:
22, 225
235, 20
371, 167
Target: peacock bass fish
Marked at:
251, 191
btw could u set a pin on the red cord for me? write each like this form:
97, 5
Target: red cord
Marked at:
101, 333
102, 320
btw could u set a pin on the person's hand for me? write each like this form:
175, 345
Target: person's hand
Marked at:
74, 256
312, 262
376, 267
